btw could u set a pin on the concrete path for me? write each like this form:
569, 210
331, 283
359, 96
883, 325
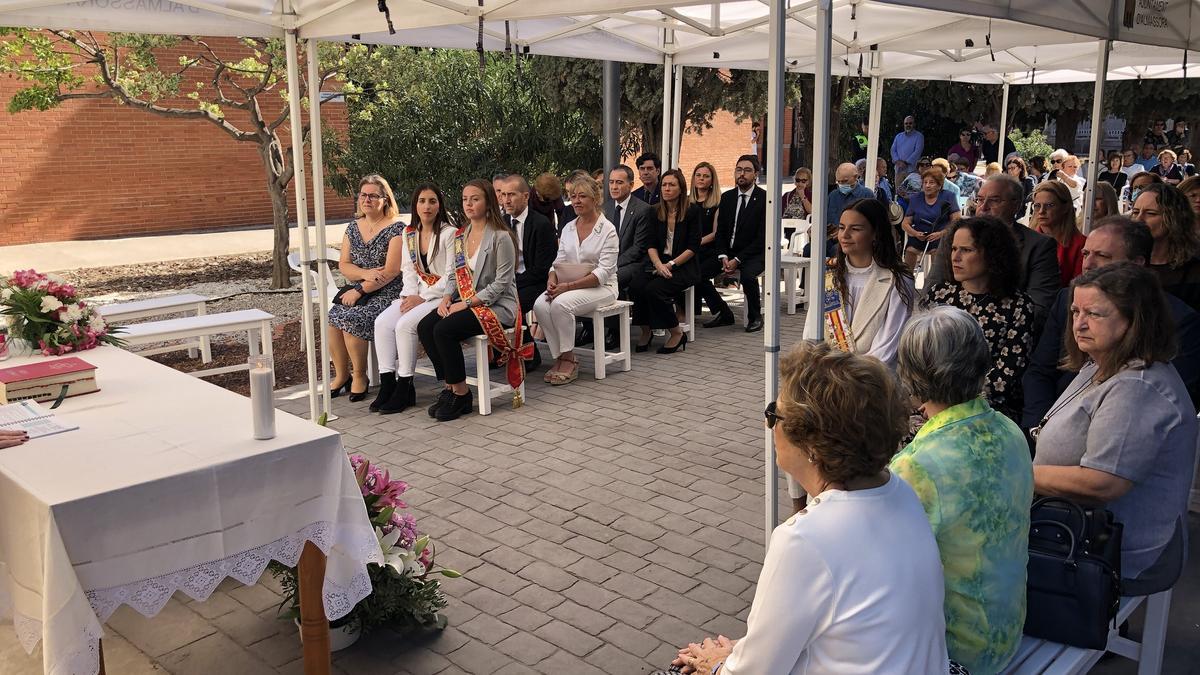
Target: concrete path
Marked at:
70, 255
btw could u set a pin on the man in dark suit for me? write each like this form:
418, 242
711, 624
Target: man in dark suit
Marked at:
633, 219
649, 167
1002, 196
1113, 239
741, 232
538, 245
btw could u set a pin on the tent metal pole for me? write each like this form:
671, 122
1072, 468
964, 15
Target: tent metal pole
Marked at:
1003, 130
318, 184
668, 79
299, 184
1094, 160
770, 299
814, 325
677, 117
875, 112
612, 114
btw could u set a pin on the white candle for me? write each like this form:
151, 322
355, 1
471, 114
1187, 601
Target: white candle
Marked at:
262, 402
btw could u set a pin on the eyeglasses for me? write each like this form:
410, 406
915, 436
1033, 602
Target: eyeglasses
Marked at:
370, 196
1056, 161
801, 180
924, 164
771, 415
741, 169
992, 201
1036, 207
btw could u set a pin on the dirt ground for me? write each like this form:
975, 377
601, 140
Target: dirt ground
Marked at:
233, 283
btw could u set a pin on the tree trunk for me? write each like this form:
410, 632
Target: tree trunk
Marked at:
1066, 125
280, 272
837, 96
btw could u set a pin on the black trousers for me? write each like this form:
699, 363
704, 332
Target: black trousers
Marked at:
705, 291
528, 293
655, 299
749, 271
441, 337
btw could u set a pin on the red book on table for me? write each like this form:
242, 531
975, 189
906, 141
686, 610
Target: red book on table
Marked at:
43, 380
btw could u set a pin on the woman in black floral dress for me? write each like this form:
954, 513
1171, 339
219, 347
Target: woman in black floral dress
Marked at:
985, 282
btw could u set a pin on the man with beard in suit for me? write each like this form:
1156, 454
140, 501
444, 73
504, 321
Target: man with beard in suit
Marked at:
537, 242
741, 224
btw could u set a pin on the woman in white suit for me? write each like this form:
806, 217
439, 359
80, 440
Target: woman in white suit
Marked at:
591, 241
424, 264
873, 288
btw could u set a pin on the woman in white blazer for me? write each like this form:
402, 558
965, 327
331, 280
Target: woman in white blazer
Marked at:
875, 290
425, 263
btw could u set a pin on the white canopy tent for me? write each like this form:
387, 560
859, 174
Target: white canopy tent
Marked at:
991, 41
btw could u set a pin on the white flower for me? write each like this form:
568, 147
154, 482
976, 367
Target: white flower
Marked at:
97, 323
50, 303
73, 314
6, 293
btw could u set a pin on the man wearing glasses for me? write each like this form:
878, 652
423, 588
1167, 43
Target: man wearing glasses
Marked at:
907, 147
741, 234
1129, 164
1002, 196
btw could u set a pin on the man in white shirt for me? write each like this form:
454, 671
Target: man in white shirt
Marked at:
1129, 163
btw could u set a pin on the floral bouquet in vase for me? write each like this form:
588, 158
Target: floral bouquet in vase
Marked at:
47, 313
405, 594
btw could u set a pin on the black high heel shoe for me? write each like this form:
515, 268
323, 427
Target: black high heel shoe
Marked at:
337, 391
641, 348
356, 396
680, 346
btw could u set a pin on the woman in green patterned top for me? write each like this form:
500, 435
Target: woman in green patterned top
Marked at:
970, 467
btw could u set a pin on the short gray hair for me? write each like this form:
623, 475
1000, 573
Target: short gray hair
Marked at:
943, 356
1016, 191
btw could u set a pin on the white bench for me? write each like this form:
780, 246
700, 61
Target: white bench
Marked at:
482, 380
600, 357
689, 313
1035, 656
168, 304
792, 266
255, 322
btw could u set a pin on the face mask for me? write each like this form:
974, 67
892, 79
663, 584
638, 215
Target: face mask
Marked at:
845, 189
1134, 195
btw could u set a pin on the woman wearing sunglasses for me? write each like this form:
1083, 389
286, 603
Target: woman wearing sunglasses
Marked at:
853, 583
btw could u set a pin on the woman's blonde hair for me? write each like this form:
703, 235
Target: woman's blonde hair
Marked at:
824, 396
714, 192
992, 169
584, 181
1063, 227
390, 209
1169, 153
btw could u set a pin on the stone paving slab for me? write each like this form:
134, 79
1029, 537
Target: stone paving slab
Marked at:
600, 527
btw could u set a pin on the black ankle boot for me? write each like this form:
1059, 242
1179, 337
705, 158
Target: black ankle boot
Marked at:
387, 384
444, 397
403, 395
456, 407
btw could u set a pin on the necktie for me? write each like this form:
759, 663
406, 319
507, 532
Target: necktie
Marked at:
618, 214
737, 216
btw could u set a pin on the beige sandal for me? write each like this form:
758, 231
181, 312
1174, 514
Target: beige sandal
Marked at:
560, 378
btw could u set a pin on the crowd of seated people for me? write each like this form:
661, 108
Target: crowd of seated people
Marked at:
1044, 355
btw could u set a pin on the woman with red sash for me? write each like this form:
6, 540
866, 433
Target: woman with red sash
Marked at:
480, 299
426, 264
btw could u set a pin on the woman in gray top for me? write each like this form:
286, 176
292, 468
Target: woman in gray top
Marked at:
480, 299
1123, 434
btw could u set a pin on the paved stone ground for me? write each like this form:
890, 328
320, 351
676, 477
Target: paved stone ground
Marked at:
599, 527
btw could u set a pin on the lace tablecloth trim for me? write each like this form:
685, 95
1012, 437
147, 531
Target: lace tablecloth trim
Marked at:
198, 582
85, 661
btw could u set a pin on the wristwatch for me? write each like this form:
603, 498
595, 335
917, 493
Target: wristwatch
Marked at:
671, 263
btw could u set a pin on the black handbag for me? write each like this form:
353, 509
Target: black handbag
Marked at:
363, 295
1074, 584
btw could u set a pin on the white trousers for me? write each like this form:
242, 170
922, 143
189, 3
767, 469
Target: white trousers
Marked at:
557, 318
396, 337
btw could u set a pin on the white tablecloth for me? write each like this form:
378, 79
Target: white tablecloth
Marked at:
163, 488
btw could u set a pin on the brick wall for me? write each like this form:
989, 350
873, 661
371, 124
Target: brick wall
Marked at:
721, 145
92, 168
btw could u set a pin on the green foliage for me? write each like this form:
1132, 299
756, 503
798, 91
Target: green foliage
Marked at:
1031, 144
421, 115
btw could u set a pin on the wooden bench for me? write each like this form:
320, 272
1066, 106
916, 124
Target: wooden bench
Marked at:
600, 357
1035, 656
255, 322
168, 304
482, 381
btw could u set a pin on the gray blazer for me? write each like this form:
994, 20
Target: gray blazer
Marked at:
634, 231
495, 275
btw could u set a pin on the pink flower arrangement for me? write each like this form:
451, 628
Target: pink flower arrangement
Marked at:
382, 496
47, 312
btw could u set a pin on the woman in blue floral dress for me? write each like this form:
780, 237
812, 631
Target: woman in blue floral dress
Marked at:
371, 255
